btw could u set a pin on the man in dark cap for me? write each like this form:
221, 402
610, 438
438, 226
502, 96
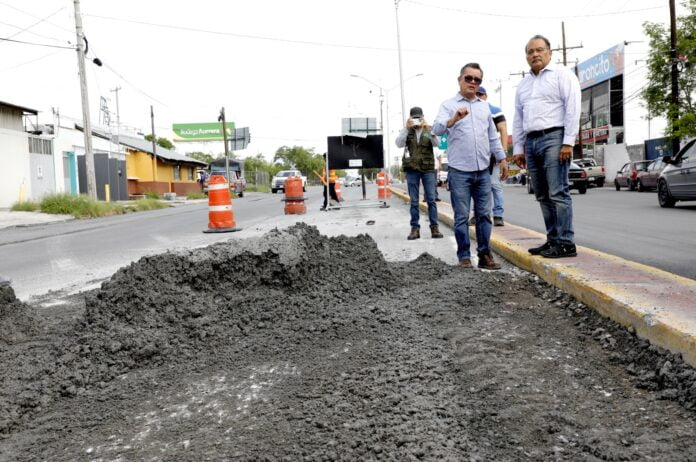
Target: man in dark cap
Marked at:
419, 165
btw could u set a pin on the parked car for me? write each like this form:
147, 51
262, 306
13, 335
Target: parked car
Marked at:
677, 181
627, 176
595, 173
278, 181
647, 179
442, 173
577, 179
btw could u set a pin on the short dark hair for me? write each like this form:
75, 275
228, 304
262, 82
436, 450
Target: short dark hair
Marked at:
471, 66
538, 36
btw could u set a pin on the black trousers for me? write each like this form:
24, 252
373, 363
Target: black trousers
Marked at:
332, 193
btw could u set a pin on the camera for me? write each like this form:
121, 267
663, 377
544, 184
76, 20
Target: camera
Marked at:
417, 121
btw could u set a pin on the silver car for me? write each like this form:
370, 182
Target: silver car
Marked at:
678, 179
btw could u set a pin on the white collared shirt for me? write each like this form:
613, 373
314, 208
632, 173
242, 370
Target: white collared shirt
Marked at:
547, 100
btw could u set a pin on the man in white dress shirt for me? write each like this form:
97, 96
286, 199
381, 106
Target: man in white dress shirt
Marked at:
547, 113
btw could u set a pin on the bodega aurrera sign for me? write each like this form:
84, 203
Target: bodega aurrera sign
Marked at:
205, 131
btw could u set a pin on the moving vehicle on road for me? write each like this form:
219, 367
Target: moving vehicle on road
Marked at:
647, 179
278, 181
627, 176
577, 179
219, 167
352, 181
677, 181
595, 173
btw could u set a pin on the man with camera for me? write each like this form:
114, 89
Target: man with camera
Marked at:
472, 138
419, 165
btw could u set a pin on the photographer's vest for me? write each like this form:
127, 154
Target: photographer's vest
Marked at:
421, 157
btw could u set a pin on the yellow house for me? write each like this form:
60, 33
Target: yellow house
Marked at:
170, 171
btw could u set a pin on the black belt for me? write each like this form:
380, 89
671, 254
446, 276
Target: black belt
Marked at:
546, 131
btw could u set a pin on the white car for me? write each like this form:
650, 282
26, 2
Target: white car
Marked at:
352, 181
278, 181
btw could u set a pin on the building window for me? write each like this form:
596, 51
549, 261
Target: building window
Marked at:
190, 173
177, 172
40, 146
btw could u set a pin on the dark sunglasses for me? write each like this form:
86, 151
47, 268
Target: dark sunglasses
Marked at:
472, 79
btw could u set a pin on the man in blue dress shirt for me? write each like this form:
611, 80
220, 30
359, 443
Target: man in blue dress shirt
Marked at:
472, 139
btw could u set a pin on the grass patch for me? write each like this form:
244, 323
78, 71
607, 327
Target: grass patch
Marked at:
143, 205
27, 206
196, 195
79, 206
152, 195
258, 188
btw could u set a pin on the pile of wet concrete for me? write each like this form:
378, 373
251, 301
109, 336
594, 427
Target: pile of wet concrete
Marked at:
316, 348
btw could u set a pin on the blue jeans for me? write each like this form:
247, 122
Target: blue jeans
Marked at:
463, 187
551, 187
497, 187
414, 179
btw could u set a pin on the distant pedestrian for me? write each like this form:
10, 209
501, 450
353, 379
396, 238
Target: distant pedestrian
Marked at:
472, 138
496, 185
547, 114
419, 165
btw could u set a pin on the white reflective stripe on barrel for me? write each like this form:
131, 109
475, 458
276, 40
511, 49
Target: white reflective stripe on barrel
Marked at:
220, 208
215, 187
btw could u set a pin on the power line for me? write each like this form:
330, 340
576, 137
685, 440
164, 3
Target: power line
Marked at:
36, 44
36, 23
282, 40
32, 61
513, 16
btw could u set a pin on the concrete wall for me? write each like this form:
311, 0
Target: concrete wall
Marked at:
615, 156
14, 167
636, 152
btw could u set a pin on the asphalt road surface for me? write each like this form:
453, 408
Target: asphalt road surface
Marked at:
627, 224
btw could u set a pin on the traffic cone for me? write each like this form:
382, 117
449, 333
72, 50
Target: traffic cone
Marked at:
220, 215
294, 201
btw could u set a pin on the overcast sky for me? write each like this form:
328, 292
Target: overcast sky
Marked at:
283, 68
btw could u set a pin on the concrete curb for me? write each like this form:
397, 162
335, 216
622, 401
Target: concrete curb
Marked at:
660, 306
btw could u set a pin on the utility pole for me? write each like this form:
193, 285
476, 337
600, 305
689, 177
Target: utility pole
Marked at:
674, 109
118, 121
154, 147
564, 48
401, 72
221, 118
89, 153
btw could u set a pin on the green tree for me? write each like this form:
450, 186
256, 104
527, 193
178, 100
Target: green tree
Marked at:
203, 157
162, 142
305, 160
657, 92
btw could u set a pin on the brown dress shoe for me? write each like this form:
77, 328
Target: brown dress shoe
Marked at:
466, 263
415, 234
486, 262
435, 232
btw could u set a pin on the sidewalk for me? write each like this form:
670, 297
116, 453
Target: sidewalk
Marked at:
660, 306
10, 219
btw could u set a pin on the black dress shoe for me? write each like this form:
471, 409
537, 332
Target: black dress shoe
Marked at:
541, 248
560, 251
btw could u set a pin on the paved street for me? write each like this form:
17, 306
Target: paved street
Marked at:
628, 224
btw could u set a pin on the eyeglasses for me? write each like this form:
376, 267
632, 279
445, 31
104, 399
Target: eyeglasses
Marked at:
531, 51
472, 79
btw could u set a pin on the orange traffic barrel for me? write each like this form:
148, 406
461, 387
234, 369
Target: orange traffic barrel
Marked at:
294, 200
220, 215
383, 191
337, 188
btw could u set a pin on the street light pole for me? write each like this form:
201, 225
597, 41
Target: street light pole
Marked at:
401, 71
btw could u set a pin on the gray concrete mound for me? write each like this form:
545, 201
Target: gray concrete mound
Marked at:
296, 346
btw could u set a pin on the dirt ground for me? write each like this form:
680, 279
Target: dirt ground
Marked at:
296, 346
